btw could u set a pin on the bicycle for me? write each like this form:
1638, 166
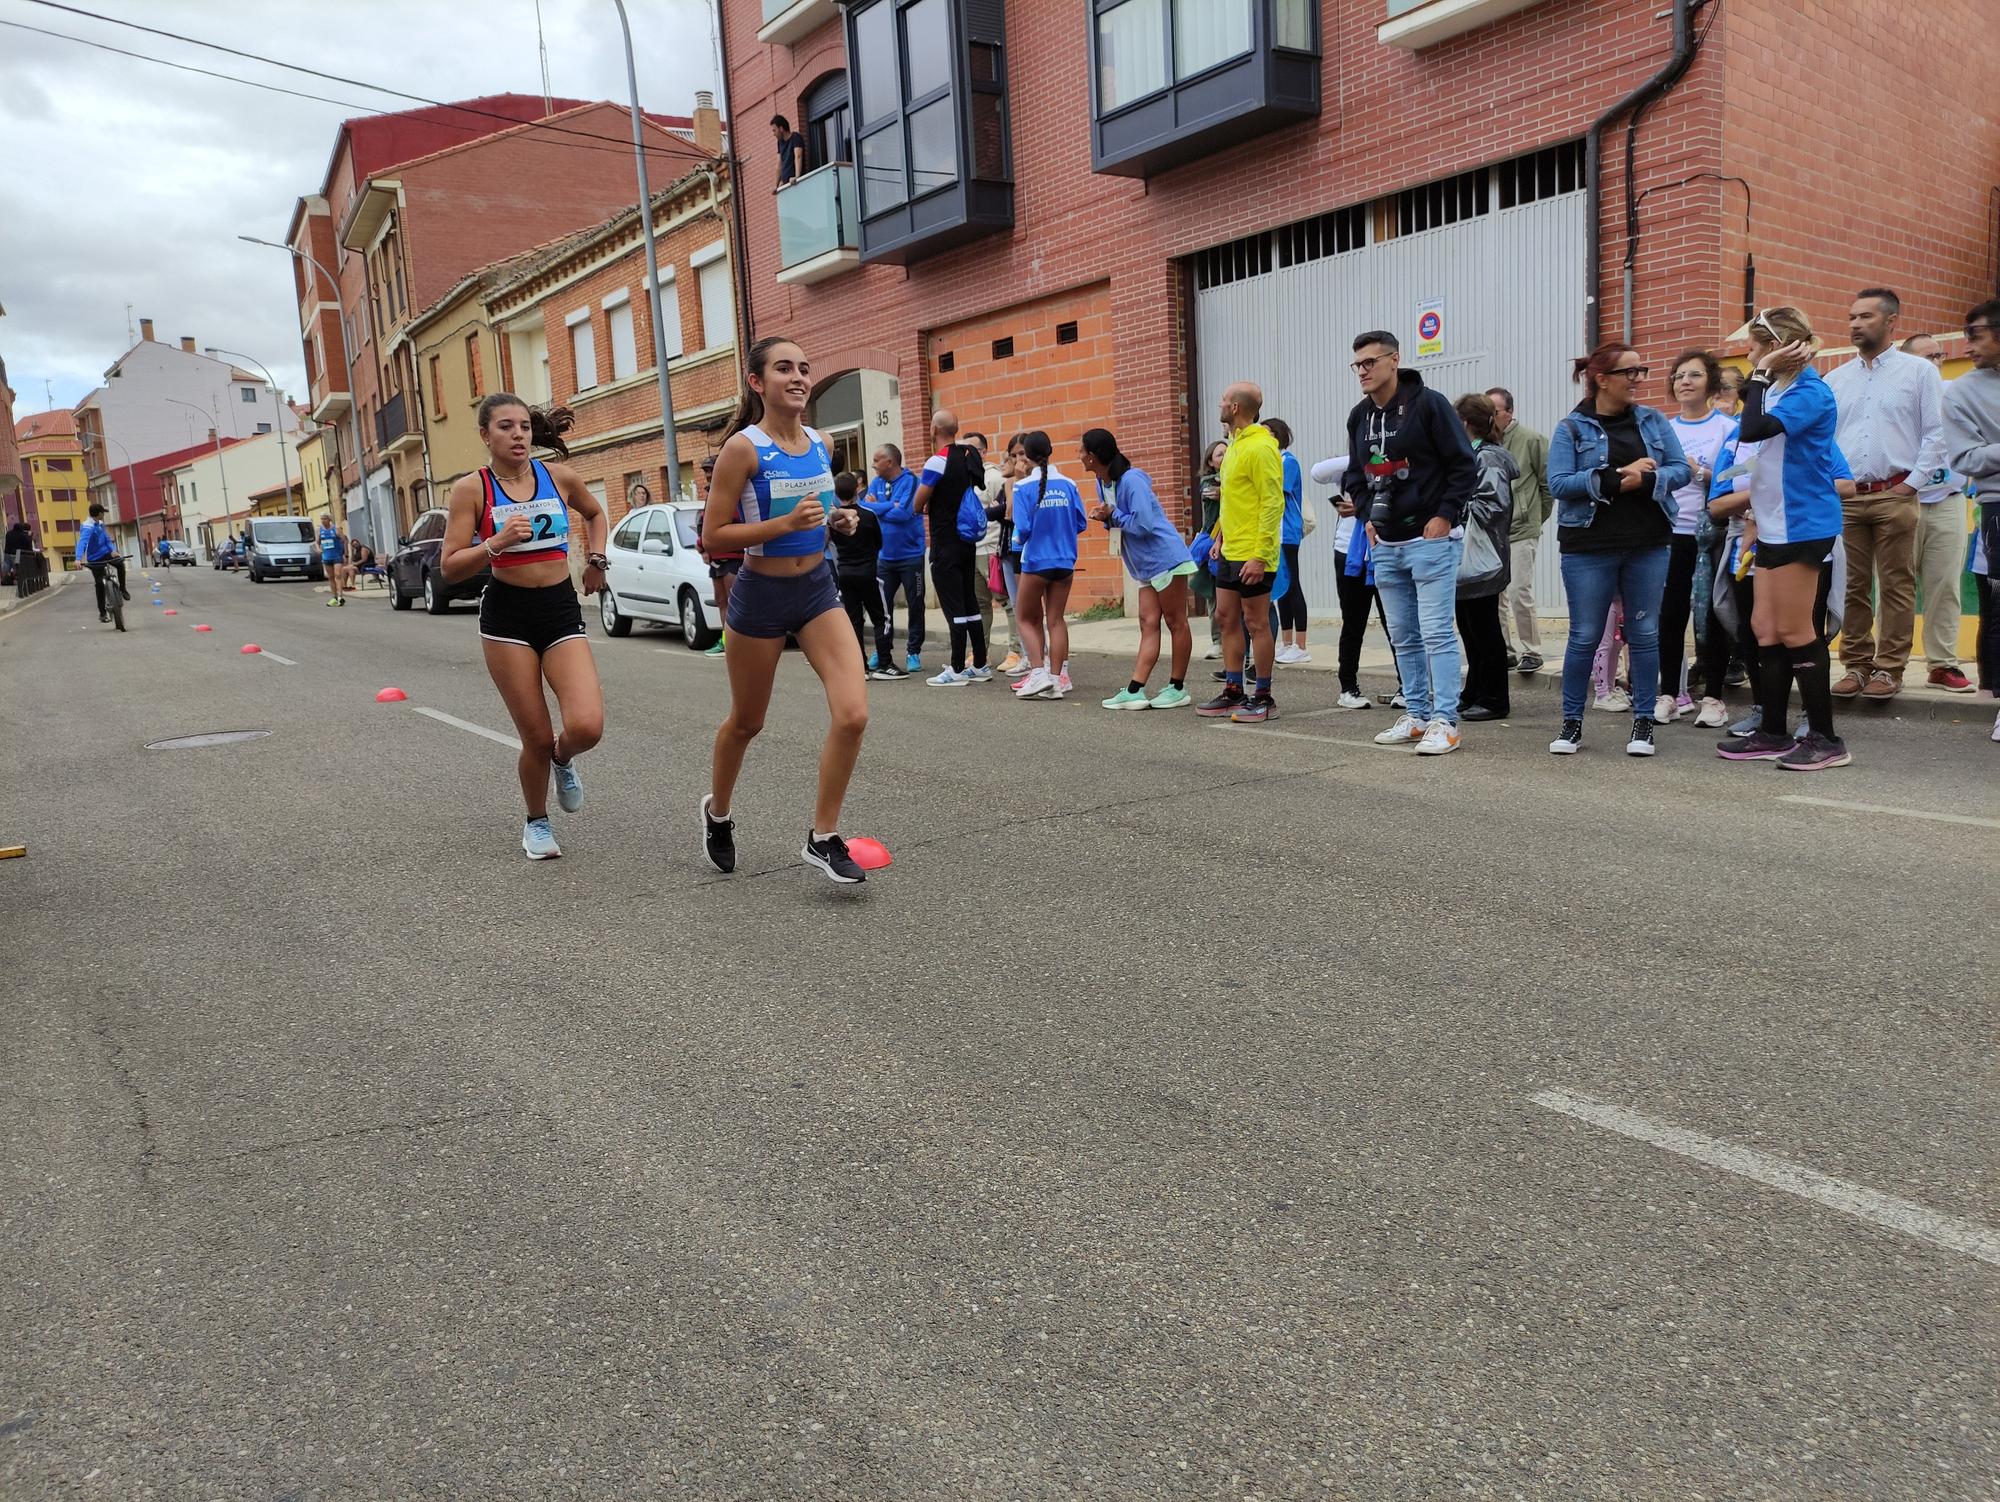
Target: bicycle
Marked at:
113, 592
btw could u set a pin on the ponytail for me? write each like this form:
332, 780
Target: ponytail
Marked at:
1102, 446
546, 425
1037, 447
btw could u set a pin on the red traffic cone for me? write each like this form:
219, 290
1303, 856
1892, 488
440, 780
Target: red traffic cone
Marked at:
250, 647
204, 628
391, 696
869, 855
173, 612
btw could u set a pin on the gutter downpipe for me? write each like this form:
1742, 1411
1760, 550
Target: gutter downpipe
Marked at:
1593, 171
741, 254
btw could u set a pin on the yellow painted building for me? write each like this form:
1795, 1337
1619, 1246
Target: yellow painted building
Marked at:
457, 366
317, 484
53, 459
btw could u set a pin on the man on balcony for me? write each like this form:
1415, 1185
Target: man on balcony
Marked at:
791, 150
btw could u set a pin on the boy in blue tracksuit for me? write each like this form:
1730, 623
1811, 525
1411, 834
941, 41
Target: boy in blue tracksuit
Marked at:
901, 566
97, 552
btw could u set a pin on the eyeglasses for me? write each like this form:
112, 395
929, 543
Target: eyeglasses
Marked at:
1362, 367
1631, 372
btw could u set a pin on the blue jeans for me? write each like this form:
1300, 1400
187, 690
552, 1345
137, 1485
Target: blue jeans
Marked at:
1417, 583
908, 578
1592, 581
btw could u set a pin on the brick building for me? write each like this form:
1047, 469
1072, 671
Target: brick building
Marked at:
1055, 213
411, 204
17, 502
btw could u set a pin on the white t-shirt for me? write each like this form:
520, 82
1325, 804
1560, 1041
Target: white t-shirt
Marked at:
1701, 442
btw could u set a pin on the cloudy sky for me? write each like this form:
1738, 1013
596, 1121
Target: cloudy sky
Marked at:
122, 181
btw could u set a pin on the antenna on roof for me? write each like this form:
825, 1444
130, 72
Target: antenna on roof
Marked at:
131, 334
548, 104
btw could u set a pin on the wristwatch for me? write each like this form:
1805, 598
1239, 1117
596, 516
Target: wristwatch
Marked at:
597, 560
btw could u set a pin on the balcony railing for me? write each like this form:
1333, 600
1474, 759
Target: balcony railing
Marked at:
819, 225
391, 421
789, 21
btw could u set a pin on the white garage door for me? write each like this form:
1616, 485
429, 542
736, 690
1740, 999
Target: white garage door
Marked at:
1282, 309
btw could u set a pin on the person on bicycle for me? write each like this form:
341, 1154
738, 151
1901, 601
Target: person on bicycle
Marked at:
97, 552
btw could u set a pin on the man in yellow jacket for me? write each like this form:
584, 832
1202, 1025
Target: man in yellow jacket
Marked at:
1244, 557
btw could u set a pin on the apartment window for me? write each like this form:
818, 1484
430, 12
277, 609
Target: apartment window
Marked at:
927, 88
624, 347
670, 314
718, 302
582, 348
1131, 52
435, 366
1208, 32
249, 394
263, 427
62, 464
829, 122
475, 377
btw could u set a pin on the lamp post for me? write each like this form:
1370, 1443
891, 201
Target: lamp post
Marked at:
669, 440
353, 409
129, 473
221, 469
278, 401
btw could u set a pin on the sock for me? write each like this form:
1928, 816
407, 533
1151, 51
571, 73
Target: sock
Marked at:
1777, 675
1813, 670
819, 838
1234, 680
1178, 683
561, 763
1264, 687
1134, 686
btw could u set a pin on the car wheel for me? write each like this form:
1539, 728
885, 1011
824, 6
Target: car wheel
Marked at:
255, 576
436, 600
615, 624
694, 627
397, 599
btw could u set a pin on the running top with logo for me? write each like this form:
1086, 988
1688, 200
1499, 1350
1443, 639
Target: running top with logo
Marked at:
778, 484
1791, 488
546, 513
329, 545
1048, 518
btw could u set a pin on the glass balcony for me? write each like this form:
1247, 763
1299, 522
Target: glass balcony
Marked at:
819, 224
788, 22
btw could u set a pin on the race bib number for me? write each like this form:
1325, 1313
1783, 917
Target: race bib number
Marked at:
788, 490
548, 523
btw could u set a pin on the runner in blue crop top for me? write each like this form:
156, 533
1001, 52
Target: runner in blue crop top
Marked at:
771, 499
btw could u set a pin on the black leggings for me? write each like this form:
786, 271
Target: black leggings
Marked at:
1485, 653
98, 581
861, 594
1676, 605
952, 574
1292, 608
1989, 632
1355, 592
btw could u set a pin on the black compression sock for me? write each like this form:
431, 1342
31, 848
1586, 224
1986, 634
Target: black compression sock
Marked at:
1813, 670
1178, 683
1134, 686
1776, 664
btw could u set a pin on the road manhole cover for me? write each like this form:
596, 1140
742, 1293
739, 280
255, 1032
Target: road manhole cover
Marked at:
213, 738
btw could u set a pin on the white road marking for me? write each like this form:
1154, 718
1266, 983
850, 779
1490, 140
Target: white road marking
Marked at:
467, 725
267, 652
1912, 1219
1901, 813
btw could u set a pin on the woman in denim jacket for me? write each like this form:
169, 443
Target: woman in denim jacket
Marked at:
1613, 469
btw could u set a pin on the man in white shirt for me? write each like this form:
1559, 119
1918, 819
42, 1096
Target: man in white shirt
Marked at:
1892, 432
1941, 544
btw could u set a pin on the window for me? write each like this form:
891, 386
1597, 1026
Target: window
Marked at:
582, 348
927, 47
62, 464
882, 185
670, 313
1207, 32
933, 147
627, 535
1293, 25
718, 302
475, 377
624, 350
435, 367
687, 525
249, 394
658, 537
1131, 52
263, 427
875, 55
829, 122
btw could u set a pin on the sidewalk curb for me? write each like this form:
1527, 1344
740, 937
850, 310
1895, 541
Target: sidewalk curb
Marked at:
12, 603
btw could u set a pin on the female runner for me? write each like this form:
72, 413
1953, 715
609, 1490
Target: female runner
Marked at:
514, 514
772, 500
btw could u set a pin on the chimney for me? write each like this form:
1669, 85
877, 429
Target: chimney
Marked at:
187, 343
146, 329
707, 123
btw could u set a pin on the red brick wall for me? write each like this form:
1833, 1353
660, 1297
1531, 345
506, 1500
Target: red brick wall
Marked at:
1892, 76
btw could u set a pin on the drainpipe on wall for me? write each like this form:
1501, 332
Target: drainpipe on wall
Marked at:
748, 317
1593, 170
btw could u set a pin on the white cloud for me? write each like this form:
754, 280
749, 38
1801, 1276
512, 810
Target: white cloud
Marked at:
126, 182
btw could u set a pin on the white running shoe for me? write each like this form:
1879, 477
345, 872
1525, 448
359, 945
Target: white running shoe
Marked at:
979, 675
1440, 738
569, 786
538, 841
1039, 684
1996, 727
1615, 702
1713, 715
1286, 653
1665, 710
1350, 701
1299, 654
1406, 731
1062, 681
948, 679
1214, 652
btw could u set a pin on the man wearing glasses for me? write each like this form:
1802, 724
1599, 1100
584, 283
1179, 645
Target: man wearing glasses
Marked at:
1940, 552
1892, 432
1972, 448
1410, 476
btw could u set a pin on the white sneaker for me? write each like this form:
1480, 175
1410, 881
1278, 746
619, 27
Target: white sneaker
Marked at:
1665, 709
1214, 652
1350, 701
1286, 653
1040, 684
1402, 733
1300, 654
538, 841
948, 679
1062, 681
1439, 739
1996, 727
1018, 670
1029, 682
1713, 715
1615, 702
979, 675
1397, 701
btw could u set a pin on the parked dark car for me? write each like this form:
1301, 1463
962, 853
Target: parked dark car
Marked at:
414, 573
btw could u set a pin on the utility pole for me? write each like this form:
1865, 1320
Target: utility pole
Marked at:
669, 439
278, 401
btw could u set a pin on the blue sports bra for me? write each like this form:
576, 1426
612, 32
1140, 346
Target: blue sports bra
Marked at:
779, 483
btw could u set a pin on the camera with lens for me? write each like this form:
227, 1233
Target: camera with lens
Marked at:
1382, 474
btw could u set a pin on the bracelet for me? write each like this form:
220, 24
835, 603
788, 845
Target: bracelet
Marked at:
597, 560
487, 548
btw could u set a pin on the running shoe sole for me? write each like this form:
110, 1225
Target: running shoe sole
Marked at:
1840, 760
1755, 755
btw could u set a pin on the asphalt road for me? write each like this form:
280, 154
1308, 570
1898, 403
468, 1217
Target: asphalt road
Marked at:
1164, 1123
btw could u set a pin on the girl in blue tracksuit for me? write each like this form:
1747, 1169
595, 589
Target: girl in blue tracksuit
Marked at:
1291, 606
1156, 556
1048, 519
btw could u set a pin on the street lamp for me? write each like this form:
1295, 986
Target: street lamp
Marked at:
278, 401
353, 408
215, 432
129, 473
669, 439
